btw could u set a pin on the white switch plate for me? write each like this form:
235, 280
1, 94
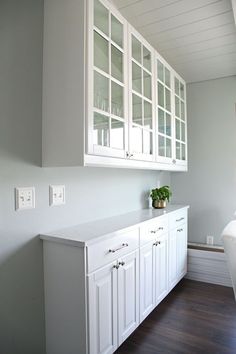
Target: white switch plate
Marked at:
57, 195
210, 240
25, 198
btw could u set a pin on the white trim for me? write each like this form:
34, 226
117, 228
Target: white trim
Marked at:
102, 161
208, 267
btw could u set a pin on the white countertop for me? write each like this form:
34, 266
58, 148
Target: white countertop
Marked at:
84, 234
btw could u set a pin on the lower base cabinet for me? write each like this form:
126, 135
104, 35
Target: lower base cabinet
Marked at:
177, 254
147, 280
161, 269
96, 295
113, 306
102, 311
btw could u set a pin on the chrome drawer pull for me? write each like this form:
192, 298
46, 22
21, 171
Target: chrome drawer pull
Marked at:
179, 230
119, 248
177, 220
155, 231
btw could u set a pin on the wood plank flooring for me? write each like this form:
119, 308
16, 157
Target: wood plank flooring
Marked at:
195, 318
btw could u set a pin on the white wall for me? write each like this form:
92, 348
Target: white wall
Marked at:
210, 184
90, 193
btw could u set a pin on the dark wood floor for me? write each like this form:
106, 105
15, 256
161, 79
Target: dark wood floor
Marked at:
194, 318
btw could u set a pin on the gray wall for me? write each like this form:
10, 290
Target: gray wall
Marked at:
90, 193
210, 184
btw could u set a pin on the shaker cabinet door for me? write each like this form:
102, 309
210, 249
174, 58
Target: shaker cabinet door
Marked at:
128, 295
172, 259
147, 279
182, 250
161, 268
102, 311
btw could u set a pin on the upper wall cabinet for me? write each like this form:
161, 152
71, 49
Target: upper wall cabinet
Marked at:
109, 99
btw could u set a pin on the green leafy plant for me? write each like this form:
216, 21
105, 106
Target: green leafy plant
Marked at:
162, 193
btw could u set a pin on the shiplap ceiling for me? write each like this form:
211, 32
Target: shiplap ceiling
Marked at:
197, 37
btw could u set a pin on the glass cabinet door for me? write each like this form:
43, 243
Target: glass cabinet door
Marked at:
164, 113
108, 121
180, 122
141, 99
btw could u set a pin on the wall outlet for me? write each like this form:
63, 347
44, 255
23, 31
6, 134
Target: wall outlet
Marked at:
25, 198
57, 195
210, 240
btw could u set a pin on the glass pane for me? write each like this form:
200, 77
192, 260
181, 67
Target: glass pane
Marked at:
116, 31
182, 111
100, 129
146, 58
182, 90
183, 152
182, 131
168, 124
177, 107
117, 98
137, 110
167, 77
168, 148
147, 115
176, 86
117, 134
147, 142
168, 104
137, 144
101, 17
161, 121
178, 154
101, 56
161, 145
177, 129
136, 49
160, 71
160, 94
147, 85
116, 63
101, 92
137, 78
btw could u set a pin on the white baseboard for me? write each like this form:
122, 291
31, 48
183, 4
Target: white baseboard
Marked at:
208, 267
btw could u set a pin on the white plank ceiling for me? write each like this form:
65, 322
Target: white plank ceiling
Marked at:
197, 37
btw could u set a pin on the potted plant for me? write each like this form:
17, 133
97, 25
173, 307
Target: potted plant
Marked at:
160, 196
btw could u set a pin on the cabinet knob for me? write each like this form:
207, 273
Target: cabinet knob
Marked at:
116, 266
129, 155
179, 230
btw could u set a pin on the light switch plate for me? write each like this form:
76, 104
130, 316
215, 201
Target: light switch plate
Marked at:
25, 198
57, 195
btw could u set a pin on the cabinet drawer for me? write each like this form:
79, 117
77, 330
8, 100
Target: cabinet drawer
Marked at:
106, 251
153, 229
178, 218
